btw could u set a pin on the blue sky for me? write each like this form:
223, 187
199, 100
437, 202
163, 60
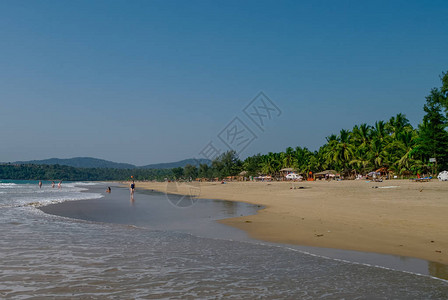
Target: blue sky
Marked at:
155, 81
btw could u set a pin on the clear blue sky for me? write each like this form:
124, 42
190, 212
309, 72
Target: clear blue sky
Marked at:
154, 81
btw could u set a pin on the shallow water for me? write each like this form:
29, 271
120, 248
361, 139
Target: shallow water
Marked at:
151, 210
47, 256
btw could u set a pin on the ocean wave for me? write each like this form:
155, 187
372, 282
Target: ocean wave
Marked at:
87, 183
85, 196
7, 184
38, 202
19, 195
28, 189
79, 184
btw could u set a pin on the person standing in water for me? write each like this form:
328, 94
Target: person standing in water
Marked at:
52, 184
40, 184
60, 184
131, 189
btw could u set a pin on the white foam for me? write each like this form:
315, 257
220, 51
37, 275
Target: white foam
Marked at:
86, 183
7, 185
18, 195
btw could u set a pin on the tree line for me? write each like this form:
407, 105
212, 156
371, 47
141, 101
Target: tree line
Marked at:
67, 173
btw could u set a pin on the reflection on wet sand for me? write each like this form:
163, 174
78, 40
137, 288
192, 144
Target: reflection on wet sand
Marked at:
438, 270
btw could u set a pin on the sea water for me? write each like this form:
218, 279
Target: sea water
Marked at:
44, 256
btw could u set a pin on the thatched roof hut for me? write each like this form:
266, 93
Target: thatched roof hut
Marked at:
383, 171
327, 172
286, 171
323, 174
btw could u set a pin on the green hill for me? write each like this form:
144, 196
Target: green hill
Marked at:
90, 162
79, 162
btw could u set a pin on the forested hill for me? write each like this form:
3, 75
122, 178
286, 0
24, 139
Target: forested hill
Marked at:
90, 162
59, 172
78, 162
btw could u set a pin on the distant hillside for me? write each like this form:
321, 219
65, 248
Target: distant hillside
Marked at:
90, 162
177, 164
80, 162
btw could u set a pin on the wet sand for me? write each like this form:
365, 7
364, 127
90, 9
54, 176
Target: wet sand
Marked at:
396, 217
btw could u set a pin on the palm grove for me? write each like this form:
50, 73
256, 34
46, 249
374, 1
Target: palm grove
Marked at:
394, 144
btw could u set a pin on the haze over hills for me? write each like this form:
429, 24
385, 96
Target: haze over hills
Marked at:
182, 163
90, 162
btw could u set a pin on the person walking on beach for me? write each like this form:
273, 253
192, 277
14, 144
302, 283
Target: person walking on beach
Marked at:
40, 184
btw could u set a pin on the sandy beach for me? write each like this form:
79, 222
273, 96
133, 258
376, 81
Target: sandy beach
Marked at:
397, 217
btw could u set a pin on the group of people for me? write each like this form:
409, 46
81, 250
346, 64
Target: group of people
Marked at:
108, 190
131, 189
52, 184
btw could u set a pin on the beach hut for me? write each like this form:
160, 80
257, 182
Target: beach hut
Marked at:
326, 174
374, 176
230, 178
384, 172
242, 176
264, 178
286, 171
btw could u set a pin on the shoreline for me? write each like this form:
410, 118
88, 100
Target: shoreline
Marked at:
395, 217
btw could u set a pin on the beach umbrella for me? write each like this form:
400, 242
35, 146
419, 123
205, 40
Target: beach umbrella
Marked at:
443, 176
293, 176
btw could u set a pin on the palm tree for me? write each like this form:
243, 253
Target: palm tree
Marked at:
313, 163
377, 154
360, 160
302, 158
327, 151
361, 140
409, 151
379, 130
332, 137
396, 125
361, 135
341, 150
271, 163
321, 159
252, 164
288, 158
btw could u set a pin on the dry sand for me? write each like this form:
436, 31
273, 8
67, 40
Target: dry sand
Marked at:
392, 217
